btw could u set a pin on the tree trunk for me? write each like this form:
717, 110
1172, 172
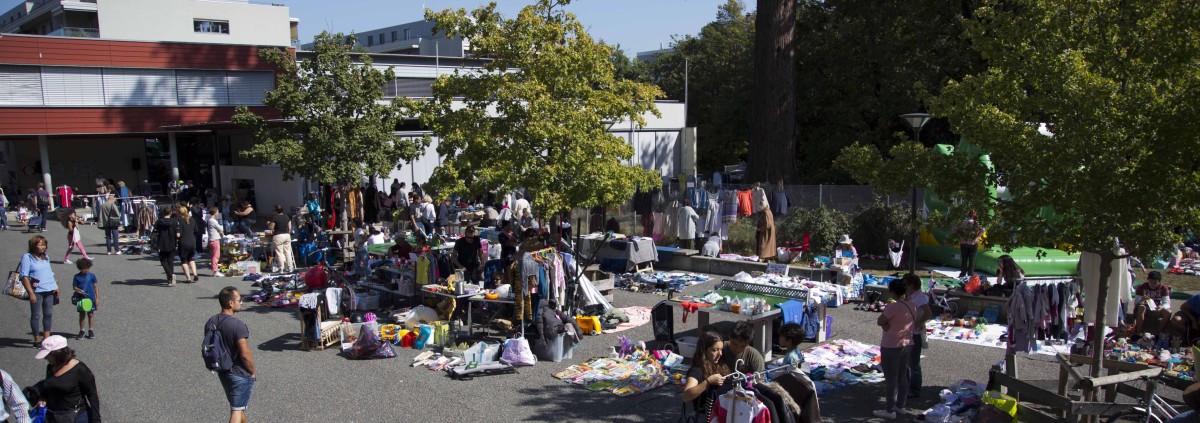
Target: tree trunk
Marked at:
772, 153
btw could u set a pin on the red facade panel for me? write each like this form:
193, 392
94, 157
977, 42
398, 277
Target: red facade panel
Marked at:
29, 50
113, 120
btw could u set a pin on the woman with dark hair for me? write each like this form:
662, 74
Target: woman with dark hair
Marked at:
707, 373
71, 222
242, 216
39, 283
1010, 275
166, 236
187, 243
69, 389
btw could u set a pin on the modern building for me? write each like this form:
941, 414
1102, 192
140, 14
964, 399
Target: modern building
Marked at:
237, 22
413, 38
653, 55
91, 88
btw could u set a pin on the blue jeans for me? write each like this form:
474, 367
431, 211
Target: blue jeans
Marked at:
243, 227
41, 315
237, 389
1189, 416
3, 218
914, 366
112, 239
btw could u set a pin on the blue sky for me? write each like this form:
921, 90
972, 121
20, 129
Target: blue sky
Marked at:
637, 25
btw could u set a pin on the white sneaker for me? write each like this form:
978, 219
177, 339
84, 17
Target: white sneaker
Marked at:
218, 275
884, 414
66, 262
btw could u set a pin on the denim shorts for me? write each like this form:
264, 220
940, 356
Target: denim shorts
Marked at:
237, 389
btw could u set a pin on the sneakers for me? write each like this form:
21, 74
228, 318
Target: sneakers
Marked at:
884, 414
171, 282
65, 261
79, 336
91, 334
118, 252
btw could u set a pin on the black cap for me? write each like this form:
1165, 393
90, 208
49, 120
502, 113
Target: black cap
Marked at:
1154, 275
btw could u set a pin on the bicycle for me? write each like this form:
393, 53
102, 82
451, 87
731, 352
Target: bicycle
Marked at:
944, 303
1156, 410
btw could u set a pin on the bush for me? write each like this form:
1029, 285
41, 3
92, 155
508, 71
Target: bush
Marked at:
875, 225
824, 226
742, 238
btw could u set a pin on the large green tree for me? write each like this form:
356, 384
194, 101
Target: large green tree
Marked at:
720, 65
342, 129
537, 115
1115, 84
861, 63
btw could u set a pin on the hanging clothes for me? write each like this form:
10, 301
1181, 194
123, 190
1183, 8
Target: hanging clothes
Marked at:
745, 203
1120, 287
1021, 321
729, 206
758, 198
66, 195
713, 223
779, 202
765, 236
731, 408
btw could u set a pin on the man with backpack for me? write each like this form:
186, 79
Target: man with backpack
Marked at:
41, 203
226, 351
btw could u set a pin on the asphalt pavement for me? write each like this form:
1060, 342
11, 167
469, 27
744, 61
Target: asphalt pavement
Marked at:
147, 365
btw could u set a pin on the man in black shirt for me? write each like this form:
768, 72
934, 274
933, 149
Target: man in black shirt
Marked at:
468, 254
281, 227
238, 381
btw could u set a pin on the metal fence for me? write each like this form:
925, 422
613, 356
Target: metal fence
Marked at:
844, 198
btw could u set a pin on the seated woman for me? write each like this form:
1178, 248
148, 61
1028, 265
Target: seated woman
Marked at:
1009, 275
845, 252
707, 373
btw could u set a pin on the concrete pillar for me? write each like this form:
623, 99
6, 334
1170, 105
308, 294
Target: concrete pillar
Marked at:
174, 156
45, 152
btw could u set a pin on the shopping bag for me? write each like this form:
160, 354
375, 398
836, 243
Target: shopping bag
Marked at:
518, 353
1002, 402
14, 288
974, 285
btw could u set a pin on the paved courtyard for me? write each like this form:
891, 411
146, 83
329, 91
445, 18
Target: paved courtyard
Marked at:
146, 360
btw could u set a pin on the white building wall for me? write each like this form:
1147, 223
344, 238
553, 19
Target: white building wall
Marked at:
269, 187
172, 20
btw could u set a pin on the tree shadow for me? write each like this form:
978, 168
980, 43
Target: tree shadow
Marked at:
285, 342
555, 403
142, 282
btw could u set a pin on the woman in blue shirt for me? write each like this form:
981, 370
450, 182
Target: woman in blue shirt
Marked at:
39, 280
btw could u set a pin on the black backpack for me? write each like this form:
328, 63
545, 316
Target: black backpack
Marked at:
213, 349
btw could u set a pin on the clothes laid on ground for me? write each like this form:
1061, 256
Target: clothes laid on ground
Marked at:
842, 362
989, 335
638, 315
621, 376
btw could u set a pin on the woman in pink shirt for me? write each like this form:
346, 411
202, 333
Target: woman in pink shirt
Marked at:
895, 348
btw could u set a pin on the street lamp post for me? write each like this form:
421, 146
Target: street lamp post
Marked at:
916, 121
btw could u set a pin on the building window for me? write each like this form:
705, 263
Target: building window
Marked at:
393, 36
370, 40
382, 38
210, 26
407, 33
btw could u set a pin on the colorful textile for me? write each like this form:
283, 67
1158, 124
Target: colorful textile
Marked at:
623, 377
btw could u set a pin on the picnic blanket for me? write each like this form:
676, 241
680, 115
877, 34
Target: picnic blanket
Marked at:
638, 316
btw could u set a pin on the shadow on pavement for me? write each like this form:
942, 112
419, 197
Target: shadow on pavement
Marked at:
558, 403
18, 342
285, 342
142, 282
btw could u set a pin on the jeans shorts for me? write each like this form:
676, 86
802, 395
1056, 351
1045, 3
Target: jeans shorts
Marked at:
237, 389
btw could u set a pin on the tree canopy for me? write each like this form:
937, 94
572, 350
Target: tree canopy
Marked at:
536, 116
1115, 83
720, 66
342, 128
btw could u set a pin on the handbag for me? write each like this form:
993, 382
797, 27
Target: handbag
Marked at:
13, 286
76, 297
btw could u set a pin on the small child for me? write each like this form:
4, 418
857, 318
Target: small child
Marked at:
790, 336
85, 284
22, 213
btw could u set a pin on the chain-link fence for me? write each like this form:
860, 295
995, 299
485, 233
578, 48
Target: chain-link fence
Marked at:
848, 199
